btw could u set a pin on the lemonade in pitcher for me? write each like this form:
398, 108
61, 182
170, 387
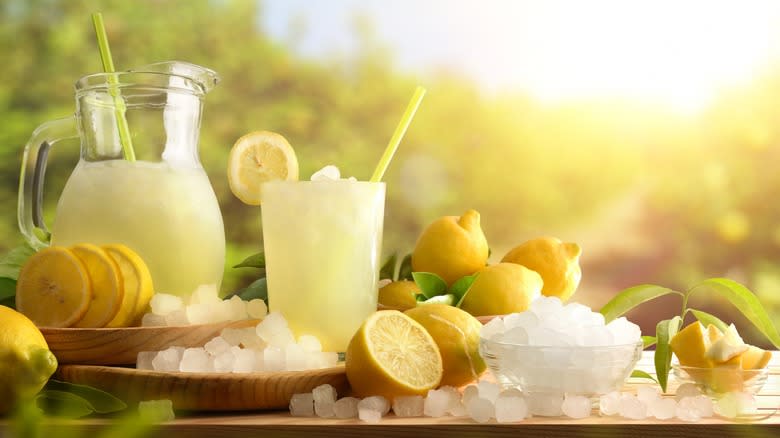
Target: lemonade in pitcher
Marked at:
139, 180
168, 215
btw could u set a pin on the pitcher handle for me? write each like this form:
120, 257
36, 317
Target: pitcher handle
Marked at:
36, 152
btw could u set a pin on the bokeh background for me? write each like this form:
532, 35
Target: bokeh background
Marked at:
645, 131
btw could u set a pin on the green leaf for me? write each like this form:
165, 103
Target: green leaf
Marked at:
405, 270
707, 319
63, 404
664, 331
460, 287
257, 289
648, 341
746, 302
388, 268
101, 401
629, 298
8, 302
12, 262
253, 261
430, 284
448, 299
7, 288
643, 375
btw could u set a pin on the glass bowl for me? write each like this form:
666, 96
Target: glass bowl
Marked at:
587, 371
722, 379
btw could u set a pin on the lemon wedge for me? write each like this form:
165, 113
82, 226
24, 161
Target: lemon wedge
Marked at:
256, 158
690, 345
755, 358
727, 347
107, 286
392, 355
53, 288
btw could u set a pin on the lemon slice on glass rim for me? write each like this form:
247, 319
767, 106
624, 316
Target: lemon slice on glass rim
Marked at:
256, 158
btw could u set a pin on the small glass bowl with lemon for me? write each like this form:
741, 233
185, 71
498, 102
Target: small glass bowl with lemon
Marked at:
717, 381
718, 361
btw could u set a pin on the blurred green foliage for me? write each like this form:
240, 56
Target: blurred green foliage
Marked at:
652, 196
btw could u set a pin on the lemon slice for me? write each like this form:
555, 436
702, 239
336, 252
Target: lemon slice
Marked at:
392, 355
137, 283
53, 288
256, 158
107, 287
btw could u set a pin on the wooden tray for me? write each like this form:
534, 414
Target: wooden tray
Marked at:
206, 391
120, 346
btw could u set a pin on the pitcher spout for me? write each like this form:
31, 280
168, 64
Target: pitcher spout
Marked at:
206, 78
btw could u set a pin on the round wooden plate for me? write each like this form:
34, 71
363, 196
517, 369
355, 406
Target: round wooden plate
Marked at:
120, 346
206, 391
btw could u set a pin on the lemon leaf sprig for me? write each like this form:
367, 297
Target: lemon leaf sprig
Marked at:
434, 289
738, 295
70, 400
10, 265
391, 270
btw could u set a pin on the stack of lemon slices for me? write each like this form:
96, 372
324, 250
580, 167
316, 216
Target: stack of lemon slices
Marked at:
84, 285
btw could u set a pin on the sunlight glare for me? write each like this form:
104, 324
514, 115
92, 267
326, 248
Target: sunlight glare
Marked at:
675, 53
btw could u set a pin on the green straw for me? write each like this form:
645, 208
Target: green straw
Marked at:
400, 130
119, 103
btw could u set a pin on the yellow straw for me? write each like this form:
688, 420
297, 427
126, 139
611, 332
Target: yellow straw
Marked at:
400, 130
119, 103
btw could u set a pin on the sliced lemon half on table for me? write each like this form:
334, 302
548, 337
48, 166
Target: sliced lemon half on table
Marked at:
256, 158
53, 288
392, 355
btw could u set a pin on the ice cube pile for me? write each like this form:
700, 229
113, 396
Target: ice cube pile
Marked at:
486, 401
203, 307
549, 323
269, 346
689, 404
558, 349
329, 173
482, 402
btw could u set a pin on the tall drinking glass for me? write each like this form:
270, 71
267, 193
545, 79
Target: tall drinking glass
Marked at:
322, 244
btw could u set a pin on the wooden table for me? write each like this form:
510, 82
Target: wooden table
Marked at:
281, 424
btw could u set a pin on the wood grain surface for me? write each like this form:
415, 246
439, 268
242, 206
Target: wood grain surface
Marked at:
120, 346
205, 391
279, 423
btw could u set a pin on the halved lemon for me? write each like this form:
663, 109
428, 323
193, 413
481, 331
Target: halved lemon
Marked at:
392, 355
53, 288
137, 285
256, 158
107, 287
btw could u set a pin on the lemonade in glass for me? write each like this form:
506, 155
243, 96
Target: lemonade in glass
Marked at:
322, 244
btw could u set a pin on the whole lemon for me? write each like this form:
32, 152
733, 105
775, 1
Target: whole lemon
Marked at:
502, 288
451, 247
25, 360
399, 295
558, 263
456, 333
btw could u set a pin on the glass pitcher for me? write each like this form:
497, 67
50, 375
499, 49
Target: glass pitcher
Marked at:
161, 204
